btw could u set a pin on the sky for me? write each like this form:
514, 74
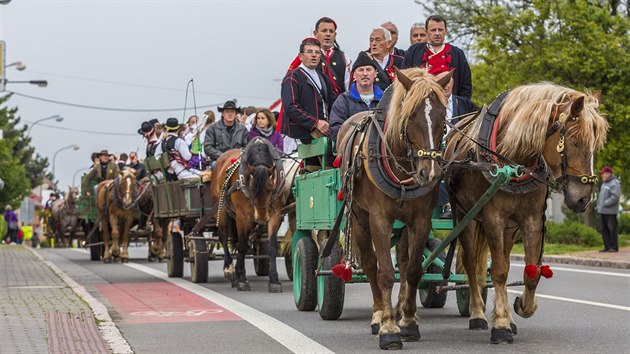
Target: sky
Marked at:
140, 55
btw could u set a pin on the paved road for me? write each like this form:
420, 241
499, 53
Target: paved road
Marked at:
581, 309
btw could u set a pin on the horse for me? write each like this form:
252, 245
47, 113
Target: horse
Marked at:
63, 214
147, 221
248, 188
553, 131
116, 204
410, 145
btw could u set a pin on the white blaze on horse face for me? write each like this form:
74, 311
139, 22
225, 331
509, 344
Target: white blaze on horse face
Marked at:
128, 193
427, 116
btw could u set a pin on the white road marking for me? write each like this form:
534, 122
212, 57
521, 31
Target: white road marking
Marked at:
584, 302
280, 332
596, 272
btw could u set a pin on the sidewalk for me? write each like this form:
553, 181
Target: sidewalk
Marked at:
620, 260
39, 311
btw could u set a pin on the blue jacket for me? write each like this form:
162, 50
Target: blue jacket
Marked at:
348, 104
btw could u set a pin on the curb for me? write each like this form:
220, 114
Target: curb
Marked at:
590, 262
117, 343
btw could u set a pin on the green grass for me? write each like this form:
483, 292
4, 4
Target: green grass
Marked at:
556, 248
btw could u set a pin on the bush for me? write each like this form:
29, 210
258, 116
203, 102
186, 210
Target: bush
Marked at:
624, 224
572, 233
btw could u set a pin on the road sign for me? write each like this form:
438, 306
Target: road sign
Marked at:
2, 65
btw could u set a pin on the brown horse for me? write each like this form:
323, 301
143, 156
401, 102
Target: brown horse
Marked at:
116, 204
249, 189
414, 128
64, 214
147, 221
552, 130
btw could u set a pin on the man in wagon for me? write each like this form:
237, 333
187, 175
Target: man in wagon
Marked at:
225, 134
103, 170
178, 153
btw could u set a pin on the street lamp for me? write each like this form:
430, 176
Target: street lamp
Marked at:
56, 117
74, 176
18, 65
73, 146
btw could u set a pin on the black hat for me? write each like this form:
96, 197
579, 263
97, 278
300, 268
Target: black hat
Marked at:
172, 124
154, 121
363, 60
104, 152
145, 129
229, 105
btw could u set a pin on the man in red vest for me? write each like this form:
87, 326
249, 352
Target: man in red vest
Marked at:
437, 54
334, 64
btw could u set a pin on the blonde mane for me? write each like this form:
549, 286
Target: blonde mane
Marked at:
526, 116
403, 103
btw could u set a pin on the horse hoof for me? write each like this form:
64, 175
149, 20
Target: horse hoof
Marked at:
107, 260
275, 288
390, 341
375, 328
513, 328
501, 336
477, 323
410, 333
518, 308
124, 260
243, 286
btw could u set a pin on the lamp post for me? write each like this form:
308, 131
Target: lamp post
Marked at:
18, 65
56, 117
73, 146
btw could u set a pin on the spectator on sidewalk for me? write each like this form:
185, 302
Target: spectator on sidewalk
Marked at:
12, 224
608, 207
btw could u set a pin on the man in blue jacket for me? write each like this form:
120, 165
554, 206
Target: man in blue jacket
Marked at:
363, 95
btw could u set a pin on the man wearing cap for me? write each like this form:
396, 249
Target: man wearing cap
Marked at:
380, 44
363, 95
225, 134
307, 96
334, 62
148, 131
436, 53
608, 207
103, 170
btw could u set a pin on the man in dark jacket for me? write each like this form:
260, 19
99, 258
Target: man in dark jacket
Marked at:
436, 54
225, 134
307, 96
334, 62
102, 170
608, 207
363, 95
380, 44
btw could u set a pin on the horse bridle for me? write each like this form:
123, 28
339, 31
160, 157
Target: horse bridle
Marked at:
563, 180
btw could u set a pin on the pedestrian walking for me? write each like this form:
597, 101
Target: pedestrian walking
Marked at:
608, 207
12, 224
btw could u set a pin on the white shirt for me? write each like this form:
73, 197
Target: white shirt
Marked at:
182, 148
313, 75
383, 64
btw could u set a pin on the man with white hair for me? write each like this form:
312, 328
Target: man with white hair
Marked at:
393, 30
380, 43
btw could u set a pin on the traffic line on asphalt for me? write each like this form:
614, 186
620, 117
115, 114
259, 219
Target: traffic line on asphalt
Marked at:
280, 332
585, 271
584, 302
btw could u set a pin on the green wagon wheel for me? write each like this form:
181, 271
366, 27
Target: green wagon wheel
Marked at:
427, 293
304, 279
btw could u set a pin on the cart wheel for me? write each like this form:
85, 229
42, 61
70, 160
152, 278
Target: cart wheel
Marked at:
288, 264
198, 259
96, 251
427, 291
175, 255
305, 282
463, 300
331, 289
261, 265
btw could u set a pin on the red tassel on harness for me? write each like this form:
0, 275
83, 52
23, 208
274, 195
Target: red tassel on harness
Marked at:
531, 270
340, 195
337, 162
343, 271
301, 164
233, 160
546, 271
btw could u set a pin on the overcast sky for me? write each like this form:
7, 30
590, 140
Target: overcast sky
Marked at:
140, 55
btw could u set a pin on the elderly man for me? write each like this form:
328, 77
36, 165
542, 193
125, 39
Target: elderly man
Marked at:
380, 43
225, 134
103, 170
307, 96
608, 207
363, 95
334, 62
437, 54
393, 30
418, 34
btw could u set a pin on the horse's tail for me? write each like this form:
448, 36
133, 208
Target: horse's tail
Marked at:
480, 250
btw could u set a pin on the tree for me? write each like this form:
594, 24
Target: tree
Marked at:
581, 44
